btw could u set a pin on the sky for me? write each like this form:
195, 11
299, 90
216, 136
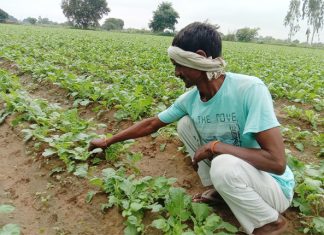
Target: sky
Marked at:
230, 15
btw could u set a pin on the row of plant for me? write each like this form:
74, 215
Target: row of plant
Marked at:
301, 137
126, 83
175, 213
56, 131
62, 133
172, 208
309, 116
309, 194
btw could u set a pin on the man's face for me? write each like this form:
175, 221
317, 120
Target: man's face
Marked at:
188, 75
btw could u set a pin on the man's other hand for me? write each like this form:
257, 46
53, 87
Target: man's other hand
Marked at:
202, 153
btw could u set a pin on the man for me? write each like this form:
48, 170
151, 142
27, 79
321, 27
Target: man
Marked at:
229, 128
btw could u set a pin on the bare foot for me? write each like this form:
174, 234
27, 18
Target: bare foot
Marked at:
274, 228
210, 197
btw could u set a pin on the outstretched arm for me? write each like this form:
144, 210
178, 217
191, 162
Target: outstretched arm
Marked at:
270, 158
140, 129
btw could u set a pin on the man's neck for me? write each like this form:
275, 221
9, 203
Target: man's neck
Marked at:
208, 88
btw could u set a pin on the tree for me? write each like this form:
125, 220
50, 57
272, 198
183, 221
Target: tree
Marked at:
30, 20
165, 17
12, 19
311, 10
246, 34
113, 24
3, 16
84, 13
229, 37
43, 20
292, 18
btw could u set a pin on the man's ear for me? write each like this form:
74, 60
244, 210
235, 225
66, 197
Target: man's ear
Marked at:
202, 53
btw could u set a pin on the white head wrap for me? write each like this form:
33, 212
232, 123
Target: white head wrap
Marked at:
213, 67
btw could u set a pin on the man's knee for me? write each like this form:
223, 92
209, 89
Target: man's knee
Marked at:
184, 124
224, 169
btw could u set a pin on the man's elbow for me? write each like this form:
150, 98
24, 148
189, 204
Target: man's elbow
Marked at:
153, 124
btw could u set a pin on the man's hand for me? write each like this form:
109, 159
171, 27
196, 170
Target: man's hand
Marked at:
98, 143
204, 152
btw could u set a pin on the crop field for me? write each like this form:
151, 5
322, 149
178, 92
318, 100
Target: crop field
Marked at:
60, 88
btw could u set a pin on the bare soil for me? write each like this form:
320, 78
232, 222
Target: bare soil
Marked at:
55, 204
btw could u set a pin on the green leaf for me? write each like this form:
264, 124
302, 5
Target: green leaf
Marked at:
212, 222
90, 195
5, 208
161, 224
130, 230
303, 206
156, 207
28, 134
319, 224
128, 187
108, 172
97, 182
229, 227
135, 157
85, 102
105, 206
96, 160
162, 147
306, 230
188, 233
313, 183
201, 211
155, 134
178, 202
10, 229
313, 172
81, 170
56, 170
3, 117
49, 152
136, 206
299, 146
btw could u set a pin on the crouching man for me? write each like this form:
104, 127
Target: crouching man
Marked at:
230, 130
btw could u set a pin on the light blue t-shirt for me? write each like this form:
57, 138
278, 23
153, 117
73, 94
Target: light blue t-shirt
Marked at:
242, 107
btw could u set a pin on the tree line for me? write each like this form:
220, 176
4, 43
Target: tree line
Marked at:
87, 13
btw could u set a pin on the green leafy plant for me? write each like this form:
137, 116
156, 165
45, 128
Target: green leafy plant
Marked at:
8, 229
309, 193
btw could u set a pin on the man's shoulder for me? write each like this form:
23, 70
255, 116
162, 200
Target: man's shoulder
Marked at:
188, 95
248, 79
243, 82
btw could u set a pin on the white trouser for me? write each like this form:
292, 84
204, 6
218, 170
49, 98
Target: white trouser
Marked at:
254, 197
